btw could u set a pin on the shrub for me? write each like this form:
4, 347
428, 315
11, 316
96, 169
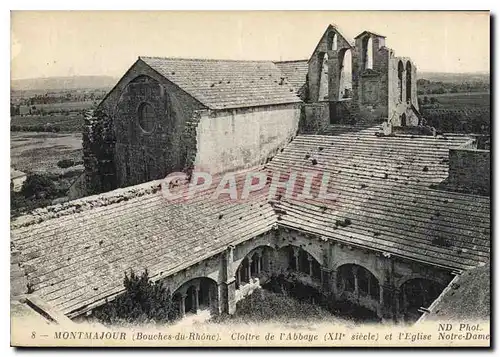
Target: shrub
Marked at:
38, 186
143, 301
65, 163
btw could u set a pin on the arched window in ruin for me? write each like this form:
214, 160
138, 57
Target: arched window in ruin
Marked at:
403, 119
333, 46
345, 83
401, 70
357, 280
367, 53
408, 81
323, 81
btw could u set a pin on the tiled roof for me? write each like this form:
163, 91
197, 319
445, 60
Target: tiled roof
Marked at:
387, 188
75, 254
369, 33
467, 298
294, 71
225, 84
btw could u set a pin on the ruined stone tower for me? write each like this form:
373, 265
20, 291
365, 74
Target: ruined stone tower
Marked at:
383, 87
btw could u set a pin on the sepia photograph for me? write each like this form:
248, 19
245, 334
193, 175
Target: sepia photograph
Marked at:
250, 178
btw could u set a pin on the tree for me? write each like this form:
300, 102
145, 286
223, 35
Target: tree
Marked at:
38, 186
143, 301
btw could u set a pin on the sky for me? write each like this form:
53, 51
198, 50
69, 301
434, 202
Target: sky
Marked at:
67, 43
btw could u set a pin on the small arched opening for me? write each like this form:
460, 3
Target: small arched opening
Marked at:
417, 293
357, 281
408, 81
297, 259
195, 295
257, 262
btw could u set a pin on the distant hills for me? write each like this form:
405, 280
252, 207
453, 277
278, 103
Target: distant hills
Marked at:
63, 83
454, 77
107, 82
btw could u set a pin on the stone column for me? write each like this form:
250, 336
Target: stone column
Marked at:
226, 297
397, 314
238, 277
231, 298
182, 305
196, 298
296, 257
369, 280
259, 261
326, 280
404, 297
380, 302
389, 303
356, 287
249, 270
309, 258
333, 283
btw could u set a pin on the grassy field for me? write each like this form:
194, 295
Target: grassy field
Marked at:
72, 123
40, 152
70, 106
461, 100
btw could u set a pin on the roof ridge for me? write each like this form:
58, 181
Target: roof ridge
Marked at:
292, 61
85, 203
104, 199
205, 59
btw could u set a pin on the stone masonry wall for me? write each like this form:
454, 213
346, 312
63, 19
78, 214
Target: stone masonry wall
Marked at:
244, 137
98, 147
470, 170
370, 86
139, 155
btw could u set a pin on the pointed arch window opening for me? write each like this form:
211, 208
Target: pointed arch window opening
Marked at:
401, 70
408, 81
367, 53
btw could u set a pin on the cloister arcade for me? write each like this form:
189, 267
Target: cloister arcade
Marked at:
389, 288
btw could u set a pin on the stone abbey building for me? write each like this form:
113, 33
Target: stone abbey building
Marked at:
411, 208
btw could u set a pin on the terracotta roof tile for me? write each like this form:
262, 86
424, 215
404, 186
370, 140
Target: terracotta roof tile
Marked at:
226, 84
75, 254
79, 256
388, 187
295, 72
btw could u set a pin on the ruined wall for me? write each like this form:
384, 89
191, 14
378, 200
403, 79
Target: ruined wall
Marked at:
243, 137
146, 153
98, 143
324, 76
317, 117
470, 170
398, 102
370, 86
